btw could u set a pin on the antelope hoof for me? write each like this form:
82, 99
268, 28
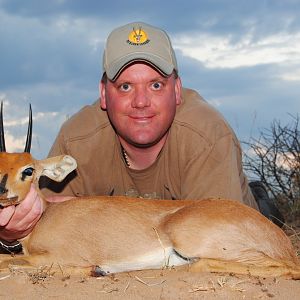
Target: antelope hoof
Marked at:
97, 271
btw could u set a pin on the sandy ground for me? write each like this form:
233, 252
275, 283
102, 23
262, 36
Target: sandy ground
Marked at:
176, 283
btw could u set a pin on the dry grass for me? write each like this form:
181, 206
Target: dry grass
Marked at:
293, 232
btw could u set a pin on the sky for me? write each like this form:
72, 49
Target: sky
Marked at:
243, 57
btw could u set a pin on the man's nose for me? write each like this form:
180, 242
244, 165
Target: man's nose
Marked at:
141, 98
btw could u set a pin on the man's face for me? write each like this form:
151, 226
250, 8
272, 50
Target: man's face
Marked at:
141, 104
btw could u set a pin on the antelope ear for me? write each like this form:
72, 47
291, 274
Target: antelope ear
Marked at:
57, 167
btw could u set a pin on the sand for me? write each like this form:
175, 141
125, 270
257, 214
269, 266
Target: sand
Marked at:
175, 283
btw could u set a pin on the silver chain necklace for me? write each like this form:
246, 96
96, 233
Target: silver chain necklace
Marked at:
125, 156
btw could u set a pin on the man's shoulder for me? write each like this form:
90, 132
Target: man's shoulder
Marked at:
87, 121
194, 106
198, 115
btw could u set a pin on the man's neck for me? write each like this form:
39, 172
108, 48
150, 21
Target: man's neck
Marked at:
141, 158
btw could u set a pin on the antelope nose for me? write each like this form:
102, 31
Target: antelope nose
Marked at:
3, 190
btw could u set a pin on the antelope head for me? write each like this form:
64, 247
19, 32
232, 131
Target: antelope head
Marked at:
19, 170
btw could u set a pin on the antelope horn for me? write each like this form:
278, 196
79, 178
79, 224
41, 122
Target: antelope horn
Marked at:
29, 132
2, 139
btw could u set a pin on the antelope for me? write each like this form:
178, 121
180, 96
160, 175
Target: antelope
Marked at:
101, 235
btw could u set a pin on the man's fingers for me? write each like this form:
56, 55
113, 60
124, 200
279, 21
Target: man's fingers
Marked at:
26, 207
6, 214
31, 217
19, 221
27, 212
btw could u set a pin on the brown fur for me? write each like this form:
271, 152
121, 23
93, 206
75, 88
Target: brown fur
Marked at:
114, 234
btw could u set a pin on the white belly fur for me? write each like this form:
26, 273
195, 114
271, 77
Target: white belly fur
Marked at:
155, 260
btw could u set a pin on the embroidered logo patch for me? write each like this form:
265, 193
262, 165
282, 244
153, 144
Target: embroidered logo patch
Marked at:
138, 37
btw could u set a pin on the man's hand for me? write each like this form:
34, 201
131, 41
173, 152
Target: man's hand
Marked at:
17, 222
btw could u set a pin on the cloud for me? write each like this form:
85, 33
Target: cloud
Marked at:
224, 52
56, 50
14, 144
242, 56
45, 127
293, 74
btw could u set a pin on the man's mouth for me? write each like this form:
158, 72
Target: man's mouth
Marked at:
141, 118
4, 202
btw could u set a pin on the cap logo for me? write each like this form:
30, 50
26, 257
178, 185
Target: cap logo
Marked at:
138, 37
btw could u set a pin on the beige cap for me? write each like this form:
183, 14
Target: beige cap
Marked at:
138, 42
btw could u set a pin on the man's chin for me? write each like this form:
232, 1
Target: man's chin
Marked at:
143, 144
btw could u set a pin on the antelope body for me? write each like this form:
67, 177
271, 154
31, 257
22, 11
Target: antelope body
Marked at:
100, 235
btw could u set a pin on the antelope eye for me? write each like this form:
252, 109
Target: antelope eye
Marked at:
28, 172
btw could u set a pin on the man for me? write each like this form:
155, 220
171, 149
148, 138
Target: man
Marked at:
147, 136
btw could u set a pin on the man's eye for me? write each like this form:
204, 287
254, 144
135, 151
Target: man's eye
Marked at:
156, 85
125, 87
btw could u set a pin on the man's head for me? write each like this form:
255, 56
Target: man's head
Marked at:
138, 42
140, 88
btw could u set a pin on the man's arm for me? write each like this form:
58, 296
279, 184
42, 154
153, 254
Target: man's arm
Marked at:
17, 222
217, 172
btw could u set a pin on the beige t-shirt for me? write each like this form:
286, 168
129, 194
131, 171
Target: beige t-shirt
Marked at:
201, 157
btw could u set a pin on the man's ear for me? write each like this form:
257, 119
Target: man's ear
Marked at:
102, 95
178, 90
57, 168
